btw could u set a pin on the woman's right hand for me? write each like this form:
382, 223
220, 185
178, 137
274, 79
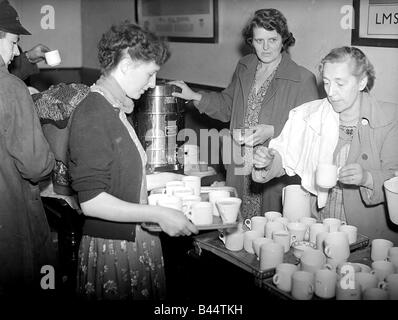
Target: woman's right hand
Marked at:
187, 93
263, 157
174, 223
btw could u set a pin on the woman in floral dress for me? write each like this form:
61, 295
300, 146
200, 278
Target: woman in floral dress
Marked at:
118, 259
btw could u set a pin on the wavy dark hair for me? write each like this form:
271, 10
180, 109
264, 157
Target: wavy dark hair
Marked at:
361, 64
269, 19
141, 45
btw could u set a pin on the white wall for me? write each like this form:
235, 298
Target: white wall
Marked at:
315, 25
67, 35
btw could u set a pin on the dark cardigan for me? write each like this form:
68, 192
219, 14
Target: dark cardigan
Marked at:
103, 158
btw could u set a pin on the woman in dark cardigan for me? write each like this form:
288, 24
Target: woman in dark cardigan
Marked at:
118, 259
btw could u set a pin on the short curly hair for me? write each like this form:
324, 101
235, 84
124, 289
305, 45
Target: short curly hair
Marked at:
269, 19
362, 65
141, 45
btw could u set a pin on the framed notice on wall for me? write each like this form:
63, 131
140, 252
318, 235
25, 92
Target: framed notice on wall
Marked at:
180, 20
376, 23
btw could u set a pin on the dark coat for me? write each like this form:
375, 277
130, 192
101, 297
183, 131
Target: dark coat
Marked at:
292, 86
25, 159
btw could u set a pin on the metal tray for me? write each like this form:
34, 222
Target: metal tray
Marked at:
216, 225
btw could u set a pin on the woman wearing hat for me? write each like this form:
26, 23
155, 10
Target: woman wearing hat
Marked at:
25, 159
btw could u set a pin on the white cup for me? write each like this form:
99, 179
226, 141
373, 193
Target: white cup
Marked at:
363, 267
192, 182
256, 223
391, 286
380, 248
283, 276
297, 231
347, 292
391, 189
201, 213
228, 208
315, 229
337, 246
308, 221
394, 261
182, 192
191, 157
312, 260
257, 243
171, 185
154, 198
333, 224
53, 58
171, 202
374, 294
272, 227
217, 194
326, 175
271, 254
282, 237
325, 283
382, 269
393, 252
285, 221
351, 231
272, 215
233, 241
187, 202
249, 237
366, 280
303, 284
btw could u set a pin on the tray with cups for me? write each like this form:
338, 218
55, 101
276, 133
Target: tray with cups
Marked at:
209, 208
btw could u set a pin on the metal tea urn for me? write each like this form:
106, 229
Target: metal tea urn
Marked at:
157, 118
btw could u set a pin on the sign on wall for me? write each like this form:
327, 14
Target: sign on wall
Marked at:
376, 23
180, 20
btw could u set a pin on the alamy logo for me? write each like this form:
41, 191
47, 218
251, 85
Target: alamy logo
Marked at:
48, 280
48, 19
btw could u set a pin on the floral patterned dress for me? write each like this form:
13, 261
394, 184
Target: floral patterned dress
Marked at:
251, 198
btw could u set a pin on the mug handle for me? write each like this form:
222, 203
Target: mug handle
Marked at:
383, 285
328, 252
248, 223
292, 239
343, 223
221, 236
275, 279
327, 266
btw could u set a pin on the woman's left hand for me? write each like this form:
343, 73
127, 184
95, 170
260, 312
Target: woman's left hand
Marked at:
353, 174
262, 133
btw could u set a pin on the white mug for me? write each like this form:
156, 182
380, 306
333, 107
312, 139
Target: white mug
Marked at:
249, 237
272, 215
391, 286
303, 283
312, 260
187, 202
171, 202
393, 252
351, 231
257, 243
192, 182
53, 58
155, 197
217, 194
320, 240
326, 175
374, 294
283, 276
228, 208
347, 292
308, 221
271, 254
333, 224
182, 192
337, 246
171, 185
315, 229
297, 231
256, 223
201, 213
272, 227
282, 237
366, 280
380, 249
391, 189
233, 241
382, 269
325, 283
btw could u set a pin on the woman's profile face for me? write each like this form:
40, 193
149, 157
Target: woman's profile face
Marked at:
341, 85
267, 44
140, 76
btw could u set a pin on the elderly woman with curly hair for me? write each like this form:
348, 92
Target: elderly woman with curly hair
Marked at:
118, 259
266, 85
